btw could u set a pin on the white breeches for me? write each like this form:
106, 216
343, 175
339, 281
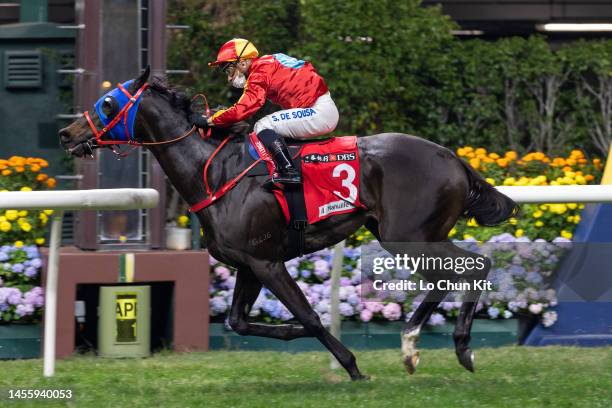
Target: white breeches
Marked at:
303, 123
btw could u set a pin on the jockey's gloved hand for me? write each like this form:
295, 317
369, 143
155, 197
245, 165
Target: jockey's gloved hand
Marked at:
199, 120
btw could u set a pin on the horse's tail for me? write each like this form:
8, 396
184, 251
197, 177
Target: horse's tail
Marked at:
484, 203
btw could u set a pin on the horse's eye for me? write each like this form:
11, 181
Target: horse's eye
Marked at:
109, 106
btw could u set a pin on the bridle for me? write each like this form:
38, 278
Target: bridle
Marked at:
122, 117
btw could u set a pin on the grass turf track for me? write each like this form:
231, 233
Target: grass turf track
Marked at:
505, 377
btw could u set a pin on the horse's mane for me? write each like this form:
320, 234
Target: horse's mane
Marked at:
179, 100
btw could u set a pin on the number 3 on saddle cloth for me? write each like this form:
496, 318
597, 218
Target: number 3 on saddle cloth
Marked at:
330, 174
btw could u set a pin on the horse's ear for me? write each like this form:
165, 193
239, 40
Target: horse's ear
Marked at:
144, 77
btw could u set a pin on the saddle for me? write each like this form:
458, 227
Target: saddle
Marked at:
329, 168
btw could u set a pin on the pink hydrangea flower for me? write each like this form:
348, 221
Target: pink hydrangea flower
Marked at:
24, 310
222, 272
374, 307
392, 311
365, 315
535, 308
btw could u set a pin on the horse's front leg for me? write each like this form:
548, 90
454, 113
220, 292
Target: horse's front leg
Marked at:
275, 277
245, 294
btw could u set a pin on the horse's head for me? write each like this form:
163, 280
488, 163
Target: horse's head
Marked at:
136, 113
114, 120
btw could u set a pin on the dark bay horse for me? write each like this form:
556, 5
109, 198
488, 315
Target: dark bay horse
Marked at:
413, 191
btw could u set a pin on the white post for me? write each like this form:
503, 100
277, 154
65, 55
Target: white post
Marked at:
51, 293
335, 296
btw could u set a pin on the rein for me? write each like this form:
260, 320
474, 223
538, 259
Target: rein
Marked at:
214, 196
139, 144
123, 115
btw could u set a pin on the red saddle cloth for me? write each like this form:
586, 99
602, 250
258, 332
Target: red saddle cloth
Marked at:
330, 170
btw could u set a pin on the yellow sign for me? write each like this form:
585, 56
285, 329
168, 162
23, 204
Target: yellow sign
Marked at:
126, 312
126, 306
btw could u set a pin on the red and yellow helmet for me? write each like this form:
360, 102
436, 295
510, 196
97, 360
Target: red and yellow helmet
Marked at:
234, 50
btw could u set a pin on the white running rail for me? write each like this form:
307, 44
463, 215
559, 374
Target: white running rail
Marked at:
558, 194
60, 201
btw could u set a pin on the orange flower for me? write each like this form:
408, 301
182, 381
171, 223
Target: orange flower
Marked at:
51, 182
19, 169
43, 163
475, 163
494, 156
34, 167
567, 168
42, 177
589, 177
16, 161
558, 162
502, 162
480, 151
576, 154
538, 155
511, 155
2, 166
571, 161
6, 172
596, 161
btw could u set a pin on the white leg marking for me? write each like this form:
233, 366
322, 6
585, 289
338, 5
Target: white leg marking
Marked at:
409, 341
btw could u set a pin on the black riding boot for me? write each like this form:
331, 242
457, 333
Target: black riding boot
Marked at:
285, 170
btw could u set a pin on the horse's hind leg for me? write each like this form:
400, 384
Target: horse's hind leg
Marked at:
275, 277
245, 294
463, 326
412, 329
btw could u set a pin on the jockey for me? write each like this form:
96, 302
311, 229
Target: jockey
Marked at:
308, 109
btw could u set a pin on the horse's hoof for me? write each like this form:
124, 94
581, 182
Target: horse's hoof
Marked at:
411, 362
466, 358
360, 377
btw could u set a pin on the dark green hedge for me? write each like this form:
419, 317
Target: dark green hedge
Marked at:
395, 66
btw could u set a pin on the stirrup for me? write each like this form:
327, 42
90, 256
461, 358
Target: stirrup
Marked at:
278, 181
287, 179
270, 185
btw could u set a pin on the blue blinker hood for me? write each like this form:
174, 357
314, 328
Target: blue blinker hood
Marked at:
118, 132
